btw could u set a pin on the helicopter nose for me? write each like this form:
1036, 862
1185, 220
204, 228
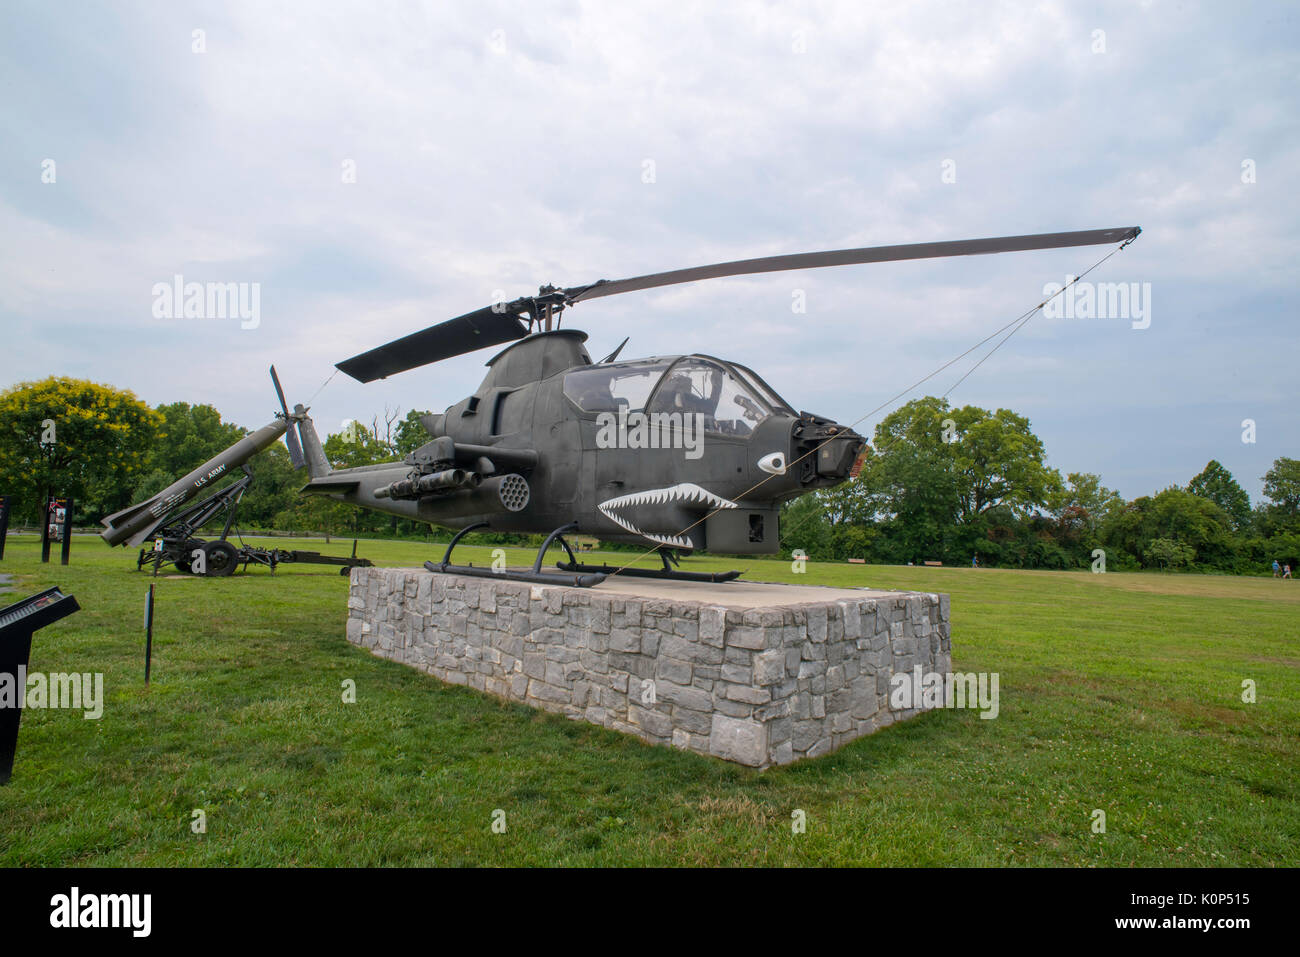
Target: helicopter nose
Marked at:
836, 456
804, 452
826, 450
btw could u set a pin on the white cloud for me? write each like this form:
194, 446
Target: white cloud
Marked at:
491, 160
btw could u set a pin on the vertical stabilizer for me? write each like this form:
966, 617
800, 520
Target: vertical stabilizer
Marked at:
317, 465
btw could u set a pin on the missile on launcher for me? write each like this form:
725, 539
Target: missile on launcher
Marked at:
136, 524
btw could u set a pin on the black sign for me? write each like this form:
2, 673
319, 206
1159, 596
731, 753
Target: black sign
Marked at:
57, 527
17, 623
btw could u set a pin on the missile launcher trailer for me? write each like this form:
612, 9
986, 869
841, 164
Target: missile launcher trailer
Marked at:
176, 541
172, 524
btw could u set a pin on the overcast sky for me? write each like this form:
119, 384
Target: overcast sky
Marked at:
497, 146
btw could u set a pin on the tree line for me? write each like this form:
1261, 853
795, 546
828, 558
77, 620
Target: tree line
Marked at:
938, 484
108, 450
958, 485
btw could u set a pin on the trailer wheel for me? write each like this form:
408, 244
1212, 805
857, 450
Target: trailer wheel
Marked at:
221, 558
185, 562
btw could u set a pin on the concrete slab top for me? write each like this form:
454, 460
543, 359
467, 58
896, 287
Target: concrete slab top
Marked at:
733, 594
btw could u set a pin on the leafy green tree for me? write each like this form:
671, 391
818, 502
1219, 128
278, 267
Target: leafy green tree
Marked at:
273, 491
410, 433
356, 445
806, 526
319, 513
1083, 502
1179, 516
1217, 484
911, 492
73, 437
1078, 507
1000, 462
1167, 553
939, 474
189, 436
1282, 489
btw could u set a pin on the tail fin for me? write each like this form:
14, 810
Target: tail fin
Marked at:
116, 530
317, 465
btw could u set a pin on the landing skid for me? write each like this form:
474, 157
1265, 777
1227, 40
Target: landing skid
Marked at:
581, 579
667, 573
571, 572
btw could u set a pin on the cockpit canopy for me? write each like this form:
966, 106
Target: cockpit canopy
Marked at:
732, 399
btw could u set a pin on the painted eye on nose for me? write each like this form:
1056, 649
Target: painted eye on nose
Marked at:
773, 462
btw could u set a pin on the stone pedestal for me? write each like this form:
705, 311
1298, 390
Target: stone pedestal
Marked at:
756, 673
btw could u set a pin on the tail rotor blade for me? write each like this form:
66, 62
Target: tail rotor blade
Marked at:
290, 433
295, 447
279, 393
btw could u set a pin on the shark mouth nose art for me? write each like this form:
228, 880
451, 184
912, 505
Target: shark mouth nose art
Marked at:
623, 509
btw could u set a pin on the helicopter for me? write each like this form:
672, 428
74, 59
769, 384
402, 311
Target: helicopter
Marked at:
676, 453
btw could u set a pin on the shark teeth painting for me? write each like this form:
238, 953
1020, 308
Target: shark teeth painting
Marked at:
685, 493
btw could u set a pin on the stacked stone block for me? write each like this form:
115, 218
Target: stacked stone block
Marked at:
758, 686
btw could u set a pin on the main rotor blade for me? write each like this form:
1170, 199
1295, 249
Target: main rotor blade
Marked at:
847, 257
484, 327
500, 323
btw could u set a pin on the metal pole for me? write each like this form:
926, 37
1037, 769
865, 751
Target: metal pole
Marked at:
45, 527
148, 634
67, 532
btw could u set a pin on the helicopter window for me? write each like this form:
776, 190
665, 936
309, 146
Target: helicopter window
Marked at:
728, 404
762, 388
607, 388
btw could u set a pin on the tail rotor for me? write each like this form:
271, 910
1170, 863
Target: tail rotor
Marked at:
291, 432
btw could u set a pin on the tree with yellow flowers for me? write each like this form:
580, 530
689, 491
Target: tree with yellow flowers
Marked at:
73, 437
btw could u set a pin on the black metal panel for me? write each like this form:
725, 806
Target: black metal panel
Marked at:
327, 485
744, 531
17, 623
474, 330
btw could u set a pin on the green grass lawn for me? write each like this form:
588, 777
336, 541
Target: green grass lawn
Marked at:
1119, 692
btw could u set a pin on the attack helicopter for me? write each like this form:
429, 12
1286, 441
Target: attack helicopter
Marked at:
676, 453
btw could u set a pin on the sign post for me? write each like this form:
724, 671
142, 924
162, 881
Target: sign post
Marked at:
65, 529
4, 522
57, 527
148, 634
45, 531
